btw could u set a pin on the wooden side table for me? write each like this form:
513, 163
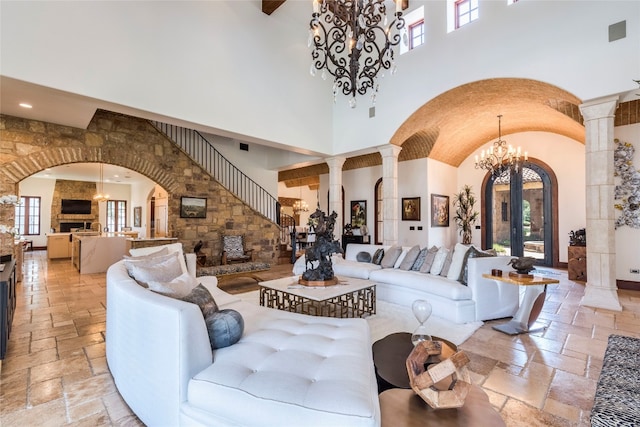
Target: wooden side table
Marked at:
401, 407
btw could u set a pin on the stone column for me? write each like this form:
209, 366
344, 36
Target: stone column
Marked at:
390, 206
335, 193
601, 289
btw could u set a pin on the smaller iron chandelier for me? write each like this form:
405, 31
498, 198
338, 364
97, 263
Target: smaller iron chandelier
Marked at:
500, 156
300, 206
350, 40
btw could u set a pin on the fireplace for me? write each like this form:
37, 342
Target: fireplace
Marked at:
65, 227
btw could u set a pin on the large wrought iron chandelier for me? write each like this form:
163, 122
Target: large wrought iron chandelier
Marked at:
352, 41
500, 156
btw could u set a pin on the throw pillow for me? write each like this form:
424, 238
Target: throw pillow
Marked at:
471, 253
438, 261
201, 297
422, 255
225, 328
164, 271
179, 287
391, 256
172, 247
363, 257
410, 258
428, 261
377, 256
163, 251
147, 260
459, 253
447, 264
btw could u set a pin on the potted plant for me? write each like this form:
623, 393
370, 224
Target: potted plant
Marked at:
465, 216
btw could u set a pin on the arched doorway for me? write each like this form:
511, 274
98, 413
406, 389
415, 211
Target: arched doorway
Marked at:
519, 213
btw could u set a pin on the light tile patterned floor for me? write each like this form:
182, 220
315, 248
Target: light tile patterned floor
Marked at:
55, 372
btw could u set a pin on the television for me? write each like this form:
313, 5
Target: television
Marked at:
73, 206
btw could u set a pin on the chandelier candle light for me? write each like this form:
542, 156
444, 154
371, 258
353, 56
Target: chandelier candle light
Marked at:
500, 156
101, 196
350, 40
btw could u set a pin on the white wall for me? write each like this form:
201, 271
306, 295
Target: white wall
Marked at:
192, 61
627, 238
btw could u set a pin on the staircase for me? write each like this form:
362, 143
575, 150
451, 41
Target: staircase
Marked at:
222, 170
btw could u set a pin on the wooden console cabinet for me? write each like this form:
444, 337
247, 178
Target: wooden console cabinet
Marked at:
7, 303
577, 263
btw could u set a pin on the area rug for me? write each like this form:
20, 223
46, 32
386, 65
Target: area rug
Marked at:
390, 318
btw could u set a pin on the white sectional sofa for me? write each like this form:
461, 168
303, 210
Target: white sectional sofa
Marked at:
286, 370
479, 299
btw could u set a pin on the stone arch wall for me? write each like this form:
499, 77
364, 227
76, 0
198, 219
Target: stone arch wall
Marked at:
28, 146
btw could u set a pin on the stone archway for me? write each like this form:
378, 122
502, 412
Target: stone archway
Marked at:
464, 118
30, 146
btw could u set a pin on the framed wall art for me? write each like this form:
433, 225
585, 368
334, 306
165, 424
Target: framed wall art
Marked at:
439, 210
193, 207
358, 213
137, 216
411, 208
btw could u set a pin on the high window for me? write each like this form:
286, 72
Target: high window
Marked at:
116, 214
28, 216
416, 34
466, 11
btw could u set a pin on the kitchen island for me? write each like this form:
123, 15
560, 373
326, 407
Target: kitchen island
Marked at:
95, 253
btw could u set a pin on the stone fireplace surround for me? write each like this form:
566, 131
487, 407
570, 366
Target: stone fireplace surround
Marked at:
66, 189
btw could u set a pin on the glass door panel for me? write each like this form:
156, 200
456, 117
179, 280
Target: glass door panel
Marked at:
532, 214
501, 213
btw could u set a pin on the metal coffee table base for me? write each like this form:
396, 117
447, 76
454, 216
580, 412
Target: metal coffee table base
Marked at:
359, 303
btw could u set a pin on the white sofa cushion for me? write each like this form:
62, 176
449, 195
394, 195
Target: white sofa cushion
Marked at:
358, 270
291, 367
430, 283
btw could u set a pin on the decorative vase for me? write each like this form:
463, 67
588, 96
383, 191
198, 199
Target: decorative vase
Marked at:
422, 310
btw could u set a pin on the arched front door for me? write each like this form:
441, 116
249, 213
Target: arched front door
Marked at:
520, 213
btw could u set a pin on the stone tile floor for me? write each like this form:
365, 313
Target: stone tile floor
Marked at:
55, 372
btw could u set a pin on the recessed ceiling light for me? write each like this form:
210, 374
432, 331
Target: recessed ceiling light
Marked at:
25, 105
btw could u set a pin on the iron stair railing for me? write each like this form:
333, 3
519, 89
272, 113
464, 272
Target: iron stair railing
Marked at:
200, 150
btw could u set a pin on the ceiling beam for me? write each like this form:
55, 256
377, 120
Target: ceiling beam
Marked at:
270, 6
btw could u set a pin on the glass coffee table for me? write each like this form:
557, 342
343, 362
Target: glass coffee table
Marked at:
349, 298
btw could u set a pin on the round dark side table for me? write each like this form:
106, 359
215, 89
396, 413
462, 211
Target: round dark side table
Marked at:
389, 358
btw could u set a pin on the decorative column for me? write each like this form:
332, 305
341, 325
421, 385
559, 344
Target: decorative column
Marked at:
335, 193
601, 289
390, 206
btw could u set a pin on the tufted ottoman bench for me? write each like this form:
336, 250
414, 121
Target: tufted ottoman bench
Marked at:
617, 399
290, 367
